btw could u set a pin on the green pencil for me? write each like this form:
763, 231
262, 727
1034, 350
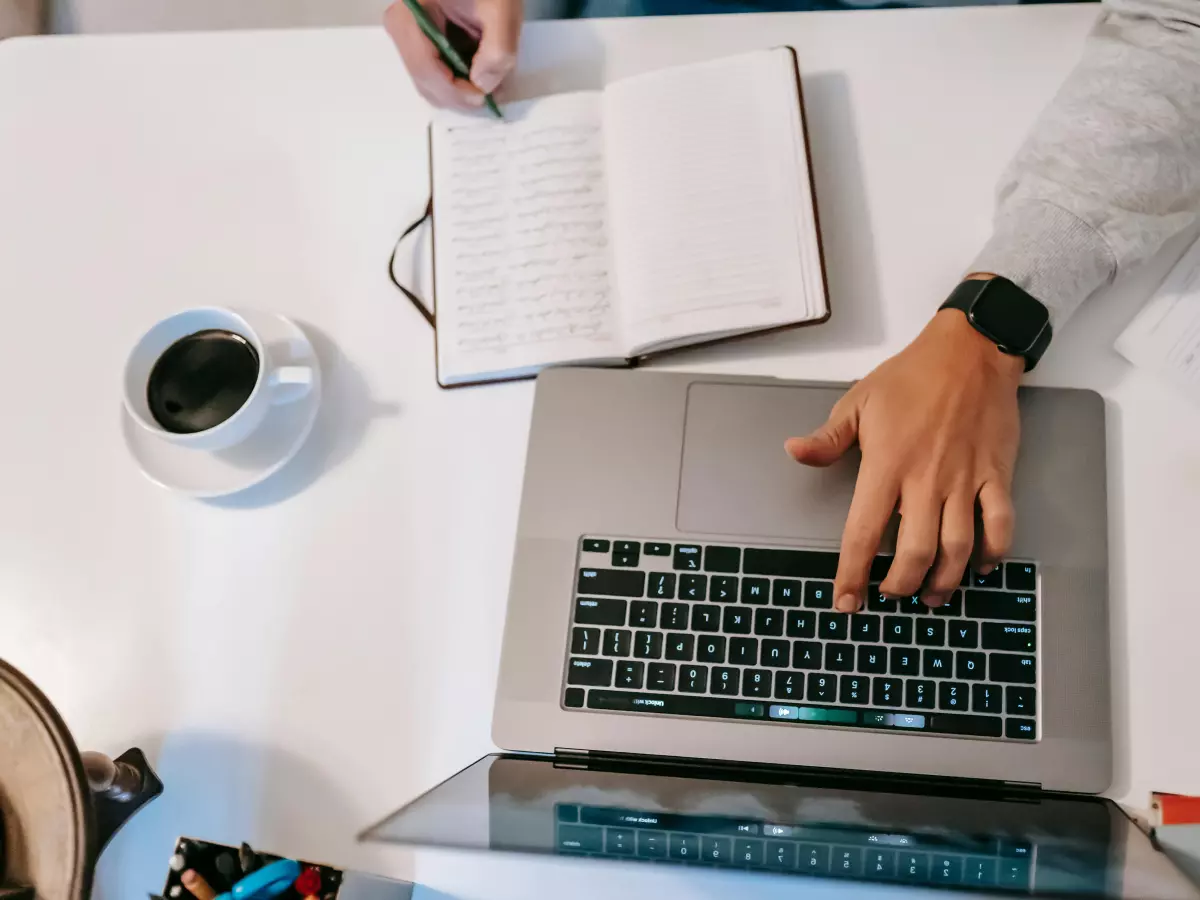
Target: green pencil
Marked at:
446, 49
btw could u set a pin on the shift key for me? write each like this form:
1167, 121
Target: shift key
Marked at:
1001, 605
612, 582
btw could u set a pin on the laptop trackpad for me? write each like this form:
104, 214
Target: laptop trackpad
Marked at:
737, 479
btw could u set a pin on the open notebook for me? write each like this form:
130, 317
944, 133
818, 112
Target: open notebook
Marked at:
670, 209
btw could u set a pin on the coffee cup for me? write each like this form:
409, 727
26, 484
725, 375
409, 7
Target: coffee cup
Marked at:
204, 379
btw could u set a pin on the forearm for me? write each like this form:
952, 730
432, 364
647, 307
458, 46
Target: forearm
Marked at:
1111, 169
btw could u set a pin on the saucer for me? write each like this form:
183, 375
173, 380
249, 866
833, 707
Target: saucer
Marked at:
202, 473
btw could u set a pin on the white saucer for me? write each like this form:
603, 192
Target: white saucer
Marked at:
201, 473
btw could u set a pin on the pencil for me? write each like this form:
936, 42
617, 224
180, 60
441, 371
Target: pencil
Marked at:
446, 49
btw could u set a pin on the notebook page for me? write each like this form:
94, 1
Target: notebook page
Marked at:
521, 252
1165, 335
705, 169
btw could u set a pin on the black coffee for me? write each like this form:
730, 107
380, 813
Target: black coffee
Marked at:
201, 380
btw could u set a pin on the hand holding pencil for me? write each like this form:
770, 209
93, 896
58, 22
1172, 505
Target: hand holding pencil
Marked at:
442, 74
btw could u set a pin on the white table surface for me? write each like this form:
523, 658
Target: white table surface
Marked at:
283, 657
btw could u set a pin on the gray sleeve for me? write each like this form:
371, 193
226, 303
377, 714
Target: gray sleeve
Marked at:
1111, 169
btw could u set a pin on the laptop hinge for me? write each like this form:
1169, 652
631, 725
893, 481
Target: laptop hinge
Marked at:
570, 758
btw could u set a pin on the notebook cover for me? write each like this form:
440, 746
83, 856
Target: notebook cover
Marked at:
635, 361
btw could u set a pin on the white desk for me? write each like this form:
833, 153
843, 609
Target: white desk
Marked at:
275, 655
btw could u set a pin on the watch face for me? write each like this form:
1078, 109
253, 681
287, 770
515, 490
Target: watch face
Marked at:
1009, 316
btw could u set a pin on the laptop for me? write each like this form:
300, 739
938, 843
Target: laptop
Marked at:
671, 638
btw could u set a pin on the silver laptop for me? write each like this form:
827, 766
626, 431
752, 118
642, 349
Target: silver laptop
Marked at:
679, 688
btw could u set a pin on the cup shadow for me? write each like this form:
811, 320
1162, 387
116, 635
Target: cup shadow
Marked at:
347, 410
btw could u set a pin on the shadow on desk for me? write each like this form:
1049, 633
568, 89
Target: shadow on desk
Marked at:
227, 791
346, 413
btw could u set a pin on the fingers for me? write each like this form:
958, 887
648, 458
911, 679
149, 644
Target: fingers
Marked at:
500, 26
197, 886
954, 549
997, 519
828, 444
916, 545
431, 76
874, 500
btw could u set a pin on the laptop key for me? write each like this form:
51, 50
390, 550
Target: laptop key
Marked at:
648, 645
743, 651
801, 623
736, 620
683, 846
1001, 605
626, 560
814, 859
963, 633
693, 679
986, 698
590, 672
821, 688
661, 677
897, 630
1020, 576
790, 563
616, 642
872, 659
833, 626
722, 559
595, 545
877, 603
789, 686
969, 665
724, 680
864, 627
993, 579
931, 633
786, 592
806, 655
748, 852
612, 582
952, 607
913, 606
854, 689
1011, 667
693, 587
887, 692
687, 558
711, 650
585, 640
775, 653
952, 695
755, 590
919, 694
724, 589
818, 595
1020, 729
1020, 700
643, 613
675, 615
661, 586
905, 661
938, 664
756, 683
630, 674
768, 621
600, 611
706, 617
1022, 638
681, 646
655, 549
839, 657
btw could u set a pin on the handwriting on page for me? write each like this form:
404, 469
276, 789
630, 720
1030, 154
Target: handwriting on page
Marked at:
523, 245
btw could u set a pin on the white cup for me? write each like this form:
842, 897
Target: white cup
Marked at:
274, 385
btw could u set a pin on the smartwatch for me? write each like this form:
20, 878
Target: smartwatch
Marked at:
1016, 321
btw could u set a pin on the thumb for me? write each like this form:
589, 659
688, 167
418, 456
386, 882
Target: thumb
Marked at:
500, 27
828, 443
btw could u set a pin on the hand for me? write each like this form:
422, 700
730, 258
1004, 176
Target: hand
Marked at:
938, 428
496, 24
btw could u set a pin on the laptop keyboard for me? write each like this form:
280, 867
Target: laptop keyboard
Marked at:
744, 632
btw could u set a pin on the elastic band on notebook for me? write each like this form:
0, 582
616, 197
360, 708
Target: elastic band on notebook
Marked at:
426, 313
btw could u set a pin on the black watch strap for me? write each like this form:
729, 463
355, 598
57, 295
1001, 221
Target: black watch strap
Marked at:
1014, 319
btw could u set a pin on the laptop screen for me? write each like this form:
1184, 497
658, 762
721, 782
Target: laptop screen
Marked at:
825, 827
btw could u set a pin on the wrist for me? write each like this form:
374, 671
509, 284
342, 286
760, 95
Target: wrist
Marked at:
952, 325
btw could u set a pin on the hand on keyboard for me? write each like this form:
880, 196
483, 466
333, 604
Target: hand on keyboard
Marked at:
938, 428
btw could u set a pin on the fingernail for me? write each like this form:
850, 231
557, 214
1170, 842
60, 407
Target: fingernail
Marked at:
985, 569
846, 603
934, 600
